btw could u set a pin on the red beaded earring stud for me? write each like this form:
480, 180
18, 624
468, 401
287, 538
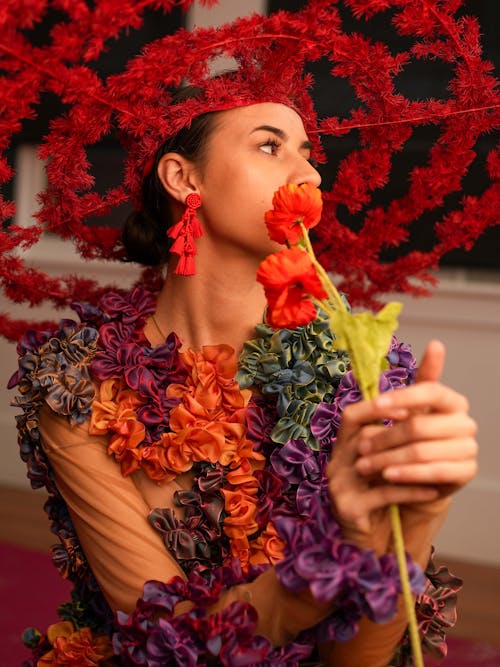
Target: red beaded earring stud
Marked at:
184, 234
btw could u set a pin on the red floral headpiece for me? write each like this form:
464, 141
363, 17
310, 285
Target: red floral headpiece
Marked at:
271, 55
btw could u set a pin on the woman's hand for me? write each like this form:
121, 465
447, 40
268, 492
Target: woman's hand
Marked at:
427, 454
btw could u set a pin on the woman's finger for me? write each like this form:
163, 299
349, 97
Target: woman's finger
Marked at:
432, 363
360, 422
355, 510
418, 427
456, 473
384, 407
422, 397
418, 452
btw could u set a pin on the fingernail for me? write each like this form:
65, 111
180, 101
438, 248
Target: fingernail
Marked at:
391, 473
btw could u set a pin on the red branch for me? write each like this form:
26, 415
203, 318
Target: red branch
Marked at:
272, 53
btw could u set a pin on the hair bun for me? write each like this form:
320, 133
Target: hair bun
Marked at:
144, 239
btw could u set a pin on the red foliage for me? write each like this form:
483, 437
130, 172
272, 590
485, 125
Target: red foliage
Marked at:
272, 52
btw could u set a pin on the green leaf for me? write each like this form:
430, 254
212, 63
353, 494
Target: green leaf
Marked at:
367, 338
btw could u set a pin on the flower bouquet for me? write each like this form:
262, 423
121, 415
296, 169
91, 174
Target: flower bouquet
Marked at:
296, 286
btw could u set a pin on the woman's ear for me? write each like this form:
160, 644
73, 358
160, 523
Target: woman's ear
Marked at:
177, 175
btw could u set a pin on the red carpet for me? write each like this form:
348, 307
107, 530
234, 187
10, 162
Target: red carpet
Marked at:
463, 653
31, 589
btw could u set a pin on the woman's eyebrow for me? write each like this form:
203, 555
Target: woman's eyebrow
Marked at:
307, 145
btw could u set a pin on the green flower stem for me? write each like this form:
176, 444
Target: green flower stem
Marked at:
334, 303
327, 283
397, 533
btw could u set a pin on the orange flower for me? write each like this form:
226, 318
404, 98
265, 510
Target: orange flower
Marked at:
209, 423
256, 555
114, 412
75, 648
128, 432
104, 410
198, 433
240, 549
130, 459
240, 504
112, 398
177, 457
289, 279
243, 474
226, 435
293, 204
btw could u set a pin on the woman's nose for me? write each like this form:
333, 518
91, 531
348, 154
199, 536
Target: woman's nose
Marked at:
306, 173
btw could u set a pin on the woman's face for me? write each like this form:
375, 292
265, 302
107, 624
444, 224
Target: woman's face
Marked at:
251, 152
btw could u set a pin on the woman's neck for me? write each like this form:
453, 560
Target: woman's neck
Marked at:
222, 303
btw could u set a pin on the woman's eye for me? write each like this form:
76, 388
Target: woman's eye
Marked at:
270, 147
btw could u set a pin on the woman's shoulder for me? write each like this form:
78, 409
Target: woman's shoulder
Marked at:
63, 365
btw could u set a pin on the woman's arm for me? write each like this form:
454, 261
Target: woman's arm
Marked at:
108, 512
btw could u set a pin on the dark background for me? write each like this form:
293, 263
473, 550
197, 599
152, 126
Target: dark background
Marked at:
419, 81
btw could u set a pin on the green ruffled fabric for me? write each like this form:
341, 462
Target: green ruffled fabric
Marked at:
301, 366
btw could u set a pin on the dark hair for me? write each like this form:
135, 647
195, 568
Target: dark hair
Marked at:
144, 234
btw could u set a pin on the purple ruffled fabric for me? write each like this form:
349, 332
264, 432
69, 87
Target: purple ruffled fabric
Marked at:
325, 421
152, 636
318, 558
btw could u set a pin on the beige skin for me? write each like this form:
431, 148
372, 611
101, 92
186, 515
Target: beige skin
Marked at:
431, 450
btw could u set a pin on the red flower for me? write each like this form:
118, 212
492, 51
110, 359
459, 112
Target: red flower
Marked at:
293, 204
289, 279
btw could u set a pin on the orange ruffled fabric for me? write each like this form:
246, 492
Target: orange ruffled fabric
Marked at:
268, 547
115, 414
208, 424
75, 648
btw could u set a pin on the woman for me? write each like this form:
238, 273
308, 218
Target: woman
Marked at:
131, 429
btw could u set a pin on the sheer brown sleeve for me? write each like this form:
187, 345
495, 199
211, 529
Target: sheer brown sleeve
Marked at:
108, 511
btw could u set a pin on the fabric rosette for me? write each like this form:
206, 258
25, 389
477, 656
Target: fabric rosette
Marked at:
73, 647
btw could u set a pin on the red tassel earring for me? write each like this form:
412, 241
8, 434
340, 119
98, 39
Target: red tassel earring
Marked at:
185, 232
